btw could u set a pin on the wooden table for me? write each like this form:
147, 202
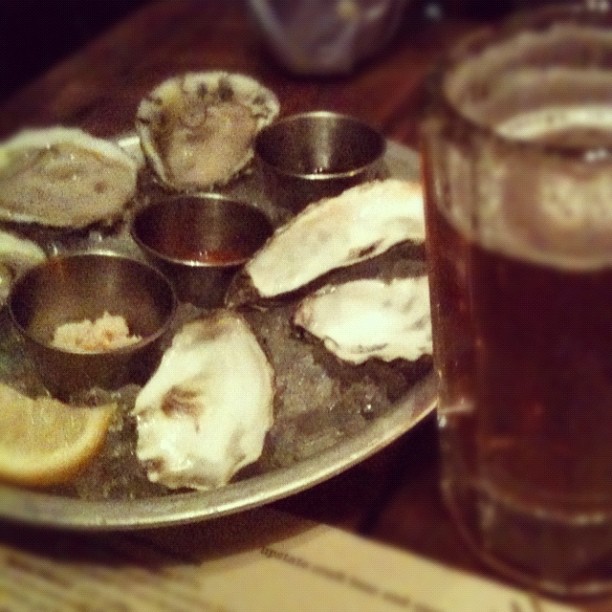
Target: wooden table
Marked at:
392, 497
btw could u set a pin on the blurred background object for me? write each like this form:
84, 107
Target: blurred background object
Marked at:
322, 37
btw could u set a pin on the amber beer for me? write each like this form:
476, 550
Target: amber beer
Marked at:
519, 242
526, 404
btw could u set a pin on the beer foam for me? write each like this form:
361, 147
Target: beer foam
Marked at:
541, 123
553, 210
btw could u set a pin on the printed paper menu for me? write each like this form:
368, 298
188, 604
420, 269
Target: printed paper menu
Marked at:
260, 561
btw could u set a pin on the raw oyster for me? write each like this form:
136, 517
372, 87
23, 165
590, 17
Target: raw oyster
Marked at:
64, 177
361, 223
197, 130
205, 412
370, 318
16, 256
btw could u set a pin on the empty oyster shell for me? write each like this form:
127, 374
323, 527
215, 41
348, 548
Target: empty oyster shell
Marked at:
64, 177
205, 412
197, 130
362, 222
370, 318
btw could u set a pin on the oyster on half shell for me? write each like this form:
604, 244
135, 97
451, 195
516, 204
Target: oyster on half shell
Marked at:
368, 318
362, 222
205, 412
17, 255
197, 130
64, 177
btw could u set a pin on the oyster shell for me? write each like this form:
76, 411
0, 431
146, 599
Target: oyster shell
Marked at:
197, 130
369, 318
64, 177
17, 255
205, 412
362, 222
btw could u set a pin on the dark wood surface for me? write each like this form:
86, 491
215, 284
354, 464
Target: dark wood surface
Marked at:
393, 497
34, 35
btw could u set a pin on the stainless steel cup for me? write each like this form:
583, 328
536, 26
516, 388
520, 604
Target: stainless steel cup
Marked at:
200, 242
79, 286
318, 154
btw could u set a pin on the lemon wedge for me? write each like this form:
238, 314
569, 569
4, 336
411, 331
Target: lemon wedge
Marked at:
44, 441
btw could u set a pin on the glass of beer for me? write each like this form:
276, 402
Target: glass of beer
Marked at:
517, 165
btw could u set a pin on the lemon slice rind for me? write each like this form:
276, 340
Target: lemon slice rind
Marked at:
45, 442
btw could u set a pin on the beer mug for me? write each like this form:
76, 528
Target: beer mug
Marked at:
517, 166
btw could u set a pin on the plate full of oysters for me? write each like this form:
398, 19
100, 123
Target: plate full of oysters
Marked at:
316, 356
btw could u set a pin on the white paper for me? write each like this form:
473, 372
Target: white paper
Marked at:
260, 561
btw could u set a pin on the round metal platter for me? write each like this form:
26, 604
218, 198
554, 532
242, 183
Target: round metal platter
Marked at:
67, 512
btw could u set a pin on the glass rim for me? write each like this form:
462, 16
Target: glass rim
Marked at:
486, 37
